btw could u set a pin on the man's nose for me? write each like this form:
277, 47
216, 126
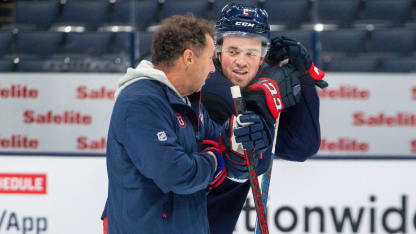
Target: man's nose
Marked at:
240, 60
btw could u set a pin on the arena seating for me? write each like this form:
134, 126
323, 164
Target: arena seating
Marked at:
386, 12
6, 65
352, 64
88, 43
287, 13
345, 41
35, 15
339, 12
38, 43
378, 34
145, 13
303, 36
399, 64
5, 42
199, 8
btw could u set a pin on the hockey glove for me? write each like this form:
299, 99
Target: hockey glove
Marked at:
247, 131
286, 48
221, 171
277, 88
244, 132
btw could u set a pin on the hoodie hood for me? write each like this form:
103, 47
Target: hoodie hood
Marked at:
144, 71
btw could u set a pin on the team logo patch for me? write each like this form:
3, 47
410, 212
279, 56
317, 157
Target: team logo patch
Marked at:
245, 12
181, 120
162, 136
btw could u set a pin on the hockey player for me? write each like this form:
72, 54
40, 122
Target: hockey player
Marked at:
158, 168
242, 42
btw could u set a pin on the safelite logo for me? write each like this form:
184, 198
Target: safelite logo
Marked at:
22, 183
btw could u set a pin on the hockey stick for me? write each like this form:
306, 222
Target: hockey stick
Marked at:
254, 182
268, 175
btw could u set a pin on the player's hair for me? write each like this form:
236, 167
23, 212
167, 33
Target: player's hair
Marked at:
176, 34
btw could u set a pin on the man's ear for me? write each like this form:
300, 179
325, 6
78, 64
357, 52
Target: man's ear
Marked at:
218, 55
262, 60
188, 57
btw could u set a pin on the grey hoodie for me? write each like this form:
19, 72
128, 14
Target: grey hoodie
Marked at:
145, 71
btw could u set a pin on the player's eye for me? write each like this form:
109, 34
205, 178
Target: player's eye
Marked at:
233, 52
252, 53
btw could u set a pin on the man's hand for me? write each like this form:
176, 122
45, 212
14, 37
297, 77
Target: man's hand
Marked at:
247, 131
212, 148
277, 88
286, 48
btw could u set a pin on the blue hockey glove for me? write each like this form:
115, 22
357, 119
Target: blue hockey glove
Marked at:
286, 48
247, 131
221, 171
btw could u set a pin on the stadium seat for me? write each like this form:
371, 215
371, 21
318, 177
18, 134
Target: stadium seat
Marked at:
38, 65
179, 7
352, 64
6, 65
339, 12
386, 12
146, 12
348, 41
38, 43
40, 14
303, 36
87, 43
396, 41
121, 43
287, 13
86, 13
145, 44
5, 42
399, 64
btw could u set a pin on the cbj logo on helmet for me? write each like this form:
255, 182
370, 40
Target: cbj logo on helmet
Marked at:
245, 12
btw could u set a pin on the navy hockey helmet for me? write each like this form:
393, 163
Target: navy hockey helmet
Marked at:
243, 20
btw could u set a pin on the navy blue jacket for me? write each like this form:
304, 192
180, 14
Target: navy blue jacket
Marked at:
157, 177
298, 138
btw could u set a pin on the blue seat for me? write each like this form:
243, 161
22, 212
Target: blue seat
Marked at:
86, 13
352, 64
41, 14
5, 42
87, 43
287, 12
145, 44
38, 43
346, 41
386, 12
121, 43
397, 41
399, 64
37, 65
303, 36
339, 12
6, 65
145, 13
174, 7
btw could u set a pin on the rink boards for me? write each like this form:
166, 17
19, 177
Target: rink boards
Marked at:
53, 138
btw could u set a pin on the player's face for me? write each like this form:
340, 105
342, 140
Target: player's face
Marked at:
203, 65
240, 59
